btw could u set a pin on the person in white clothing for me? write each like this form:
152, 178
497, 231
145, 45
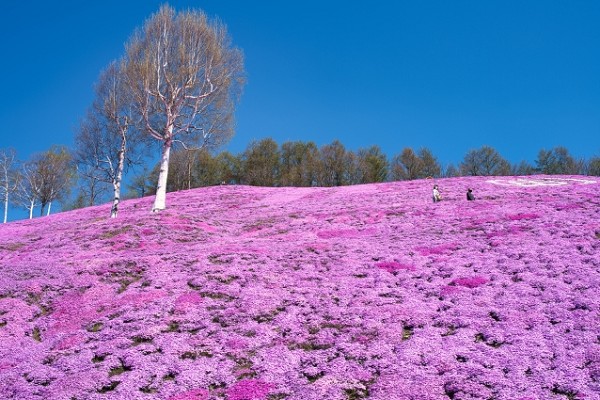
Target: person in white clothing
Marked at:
436, 194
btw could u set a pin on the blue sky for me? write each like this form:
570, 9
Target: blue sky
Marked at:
449, 75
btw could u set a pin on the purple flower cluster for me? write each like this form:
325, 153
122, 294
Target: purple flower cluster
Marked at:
362, 292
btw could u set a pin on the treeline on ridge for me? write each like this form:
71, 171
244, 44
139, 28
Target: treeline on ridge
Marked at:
304, 164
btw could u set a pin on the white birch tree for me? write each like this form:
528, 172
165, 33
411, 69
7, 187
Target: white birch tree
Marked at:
8, 177
107, 140
29, 188
185, 77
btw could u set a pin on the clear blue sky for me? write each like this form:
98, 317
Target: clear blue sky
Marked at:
449, 75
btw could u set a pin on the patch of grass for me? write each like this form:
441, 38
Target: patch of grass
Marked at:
357, 393
217, 296
169, 377
220, 259
98, 358
36, 334
112, 233
114, 371
570, 394
188, 355
451, 331
11, 246
313, 378
148, 390
173, 327
309, 346
137, 340
407, 332
95, 327
110, 387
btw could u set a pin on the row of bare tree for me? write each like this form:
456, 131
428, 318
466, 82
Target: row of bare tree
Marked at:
40, 181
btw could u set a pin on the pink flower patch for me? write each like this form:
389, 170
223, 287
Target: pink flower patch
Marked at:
437, 250
68, 342
518, 217
394, 266
249, 389
470, 282
187, 301
449, 291
194, 394
345, 233
236, 344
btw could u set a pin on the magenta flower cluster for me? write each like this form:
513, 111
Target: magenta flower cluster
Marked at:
361, 292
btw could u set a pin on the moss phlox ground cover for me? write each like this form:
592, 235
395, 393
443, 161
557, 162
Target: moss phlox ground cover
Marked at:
362, 292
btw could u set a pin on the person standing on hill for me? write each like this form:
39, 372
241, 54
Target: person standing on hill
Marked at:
470, 195
437, 196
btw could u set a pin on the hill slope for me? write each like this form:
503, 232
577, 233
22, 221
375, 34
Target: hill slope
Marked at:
369, 291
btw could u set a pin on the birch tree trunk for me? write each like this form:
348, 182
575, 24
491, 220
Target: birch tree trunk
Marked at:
49, 206
119, 177
161, 188
6, 206
31, 209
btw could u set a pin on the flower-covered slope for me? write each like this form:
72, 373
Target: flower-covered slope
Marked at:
362, 292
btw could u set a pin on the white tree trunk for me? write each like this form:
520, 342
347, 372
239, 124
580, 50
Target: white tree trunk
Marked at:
161, 187
117, 181
49, 206
6, 205
31, 209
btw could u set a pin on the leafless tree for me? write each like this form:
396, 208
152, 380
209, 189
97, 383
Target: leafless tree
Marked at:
29, 188
407, 165
332, 164
107, 141
185, 77
261, 162
298, 163
373, 164
8, 177
485, 161
54, 172
557, 161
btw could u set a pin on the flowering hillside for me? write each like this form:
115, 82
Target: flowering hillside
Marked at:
360, 292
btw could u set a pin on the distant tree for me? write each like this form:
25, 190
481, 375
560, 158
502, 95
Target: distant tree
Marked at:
55, 172
451, 171
9, 178
557, 161
354, 169
298, 163
594, 166
107, 142
229, 168
431, 166
185, 78
373, 164
407, 165
522, 169
331, 164
141, 184
29, 188
261, 163
485, 161
182, 169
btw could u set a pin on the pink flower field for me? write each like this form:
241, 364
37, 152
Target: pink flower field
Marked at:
359, 292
